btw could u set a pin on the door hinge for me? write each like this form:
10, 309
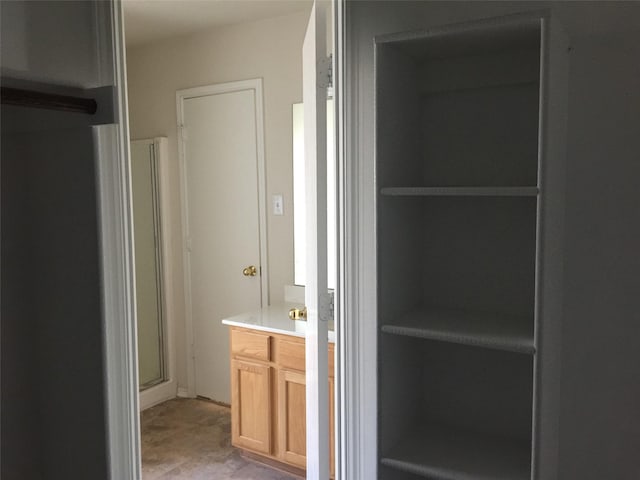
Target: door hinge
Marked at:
325, 72
188, 244
183, 133
325, 307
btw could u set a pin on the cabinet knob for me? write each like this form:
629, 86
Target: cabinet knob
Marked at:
250, 271
297, 314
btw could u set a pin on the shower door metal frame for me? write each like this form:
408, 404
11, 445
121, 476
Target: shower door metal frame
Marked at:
156, 200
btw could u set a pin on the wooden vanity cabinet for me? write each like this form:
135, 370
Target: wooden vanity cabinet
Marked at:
268, 401
292, 440
251, 419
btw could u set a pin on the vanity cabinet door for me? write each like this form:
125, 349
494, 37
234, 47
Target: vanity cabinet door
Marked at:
292, 436
332, 419
251, 406
292, 419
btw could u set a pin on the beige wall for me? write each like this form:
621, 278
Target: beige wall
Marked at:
268, 49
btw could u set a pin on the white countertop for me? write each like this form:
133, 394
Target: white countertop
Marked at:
274, 319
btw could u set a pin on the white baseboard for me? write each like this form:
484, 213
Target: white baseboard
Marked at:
158, 394
183, 392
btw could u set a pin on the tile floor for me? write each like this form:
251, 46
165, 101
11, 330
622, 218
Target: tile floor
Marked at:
191, 439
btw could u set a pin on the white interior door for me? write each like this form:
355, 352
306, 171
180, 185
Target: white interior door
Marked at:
315, 83
221, 151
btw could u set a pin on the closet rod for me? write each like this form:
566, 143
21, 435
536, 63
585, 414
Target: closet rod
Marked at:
50, 101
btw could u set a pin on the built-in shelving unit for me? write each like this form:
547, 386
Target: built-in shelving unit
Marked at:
457, 217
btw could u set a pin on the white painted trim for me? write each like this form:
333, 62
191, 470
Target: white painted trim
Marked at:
358, 341
118, 286
343, 421
191, 372
158, 394
181, 96
262, 193
314, 95
183, 392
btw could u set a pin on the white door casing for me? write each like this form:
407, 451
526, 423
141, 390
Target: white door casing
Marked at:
116, 255
315, 67
224, 220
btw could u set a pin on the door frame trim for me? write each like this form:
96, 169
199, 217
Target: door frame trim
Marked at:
203, 91
357, 334
116, 255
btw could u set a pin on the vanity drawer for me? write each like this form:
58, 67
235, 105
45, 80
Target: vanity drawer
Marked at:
250, 344
290, 354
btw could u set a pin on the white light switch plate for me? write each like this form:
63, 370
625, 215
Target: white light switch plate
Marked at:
278, 205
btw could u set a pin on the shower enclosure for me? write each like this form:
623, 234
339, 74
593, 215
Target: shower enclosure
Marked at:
147, 228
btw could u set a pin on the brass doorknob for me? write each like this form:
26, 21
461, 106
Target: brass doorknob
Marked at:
250, 271
297, 314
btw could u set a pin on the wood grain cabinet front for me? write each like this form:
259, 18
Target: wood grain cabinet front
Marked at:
292, 418
251, 405
268, 402
256, 345
292, 431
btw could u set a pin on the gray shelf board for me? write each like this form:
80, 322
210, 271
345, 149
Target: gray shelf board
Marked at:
465, 39
481, 329
442, 453
471, 88
459, 191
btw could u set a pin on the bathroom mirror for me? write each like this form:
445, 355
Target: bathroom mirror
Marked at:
299, 227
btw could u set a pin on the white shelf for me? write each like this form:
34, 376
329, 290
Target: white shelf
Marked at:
459, 191
481, 329
441, 453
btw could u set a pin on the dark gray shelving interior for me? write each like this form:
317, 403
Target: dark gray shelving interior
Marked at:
457, 172
455, 408
475, 255
462, 121
448, 453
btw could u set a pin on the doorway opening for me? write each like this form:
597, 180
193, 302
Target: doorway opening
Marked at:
218, 88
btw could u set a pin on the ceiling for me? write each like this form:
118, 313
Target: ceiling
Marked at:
147, 21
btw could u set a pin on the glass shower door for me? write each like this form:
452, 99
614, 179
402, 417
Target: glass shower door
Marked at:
148, 263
